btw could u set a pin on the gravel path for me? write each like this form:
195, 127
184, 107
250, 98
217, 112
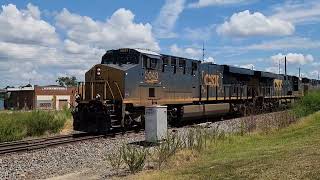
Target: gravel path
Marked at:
84, 160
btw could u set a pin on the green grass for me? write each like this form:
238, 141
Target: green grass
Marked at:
290, 153
308, 104
18, 125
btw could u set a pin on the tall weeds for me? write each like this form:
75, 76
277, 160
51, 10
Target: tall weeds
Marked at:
134, 157
308, 104
18, 125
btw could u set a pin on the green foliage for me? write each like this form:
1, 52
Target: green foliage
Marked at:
115, 158
67, 112
308, 104
18, 125
166, 149
134, 157
11, 130
67, 81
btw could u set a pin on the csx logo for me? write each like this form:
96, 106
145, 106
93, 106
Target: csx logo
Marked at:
211, 80
277, 84
151, 77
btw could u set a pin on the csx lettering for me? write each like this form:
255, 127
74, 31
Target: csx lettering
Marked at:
277, 83
211, 80
151, 77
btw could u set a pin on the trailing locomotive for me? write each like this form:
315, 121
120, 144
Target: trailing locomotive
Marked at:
116, 91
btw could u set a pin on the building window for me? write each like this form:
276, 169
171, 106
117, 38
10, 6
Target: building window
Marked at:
152, 92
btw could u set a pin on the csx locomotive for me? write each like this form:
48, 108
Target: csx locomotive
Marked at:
116, 92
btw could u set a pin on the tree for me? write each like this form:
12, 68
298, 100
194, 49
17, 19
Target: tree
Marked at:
67, 81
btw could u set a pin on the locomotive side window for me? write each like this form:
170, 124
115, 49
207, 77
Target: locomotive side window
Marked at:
182, 64
149, 63
152, 92
174, 64
145, 61
165, 62
153, 63
194, 68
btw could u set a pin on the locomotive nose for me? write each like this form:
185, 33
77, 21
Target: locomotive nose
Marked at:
106, 81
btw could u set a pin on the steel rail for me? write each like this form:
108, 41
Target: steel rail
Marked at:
40, 143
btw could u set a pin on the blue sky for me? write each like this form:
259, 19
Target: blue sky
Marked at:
41, 40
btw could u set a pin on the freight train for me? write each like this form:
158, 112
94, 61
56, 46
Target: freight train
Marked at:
116, 91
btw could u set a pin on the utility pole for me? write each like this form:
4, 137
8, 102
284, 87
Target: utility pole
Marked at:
299, 72
285, 67
203, 51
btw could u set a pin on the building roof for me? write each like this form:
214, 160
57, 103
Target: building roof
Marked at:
21, 89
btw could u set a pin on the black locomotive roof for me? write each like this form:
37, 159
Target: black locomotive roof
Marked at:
267, 74
122, 67
238, 70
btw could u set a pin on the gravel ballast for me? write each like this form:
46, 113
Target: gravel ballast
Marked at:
81, 160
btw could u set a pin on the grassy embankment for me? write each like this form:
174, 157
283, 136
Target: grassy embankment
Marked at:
288, 153
16, 125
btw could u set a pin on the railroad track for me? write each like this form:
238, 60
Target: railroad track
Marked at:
40, 143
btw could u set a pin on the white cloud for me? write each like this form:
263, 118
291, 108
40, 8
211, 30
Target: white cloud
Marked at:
298, 11
314, 74
166, 20
31, 49
273, 69
210, 59
286, 43
206, 3
118, 31
293, 58
25, 26
247, 66
199, 33
191, 53
247, 24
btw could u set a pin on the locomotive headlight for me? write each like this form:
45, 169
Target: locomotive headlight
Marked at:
98, 71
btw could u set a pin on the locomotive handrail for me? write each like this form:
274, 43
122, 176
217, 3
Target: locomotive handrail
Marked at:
110, 89
118, 89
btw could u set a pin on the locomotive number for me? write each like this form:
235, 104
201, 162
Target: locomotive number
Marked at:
211, 80
277, 83
151, 77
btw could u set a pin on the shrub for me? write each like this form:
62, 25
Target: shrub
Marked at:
308, 104
134, 157
167, 149
11, 130
115, 158
190, 138
38, 122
